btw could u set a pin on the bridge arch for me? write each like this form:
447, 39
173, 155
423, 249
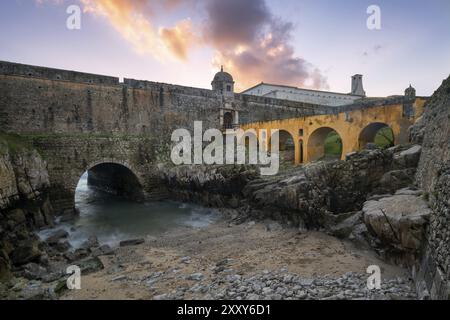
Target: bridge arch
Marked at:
322, 142
287, 146
377, 133
114, 177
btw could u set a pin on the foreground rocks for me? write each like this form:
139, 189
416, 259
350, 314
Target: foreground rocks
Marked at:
399, 220
24, 204
282, 285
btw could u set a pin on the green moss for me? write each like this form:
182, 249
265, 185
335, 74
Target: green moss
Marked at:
13, 143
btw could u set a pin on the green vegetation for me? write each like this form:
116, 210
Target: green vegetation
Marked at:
333, 145
384, 138
13, 143
333, 142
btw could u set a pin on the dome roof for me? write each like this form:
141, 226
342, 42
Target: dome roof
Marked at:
223, 77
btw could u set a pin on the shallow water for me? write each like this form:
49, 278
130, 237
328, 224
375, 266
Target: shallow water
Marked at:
112, 219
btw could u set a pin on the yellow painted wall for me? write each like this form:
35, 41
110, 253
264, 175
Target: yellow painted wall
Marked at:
348, 125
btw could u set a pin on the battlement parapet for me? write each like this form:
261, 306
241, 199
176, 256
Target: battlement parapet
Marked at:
17, 69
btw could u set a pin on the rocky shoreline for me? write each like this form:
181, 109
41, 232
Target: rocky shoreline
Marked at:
258, 261
380, 207
343, 199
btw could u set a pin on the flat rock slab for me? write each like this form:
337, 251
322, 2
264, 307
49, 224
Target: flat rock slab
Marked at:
399, 219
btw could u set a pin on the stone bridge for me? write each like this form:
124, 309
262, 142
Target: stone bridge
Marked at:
357, 125
120, 131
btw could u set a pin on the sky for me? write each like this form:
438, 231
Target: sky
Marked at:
315, 44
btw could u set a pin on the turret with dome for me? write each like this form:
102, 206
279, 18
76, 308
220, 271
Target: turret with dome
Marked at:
223, 83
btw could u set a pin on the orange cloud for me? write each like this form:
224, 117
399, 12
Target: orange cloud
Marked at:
248, 40
254, 46
179, 39
133, 21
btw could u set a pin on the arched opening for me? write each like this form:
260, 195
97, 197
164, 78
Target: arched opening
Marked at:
228, 120
286, 147
376, 135
115, 179
106, 201
324, 144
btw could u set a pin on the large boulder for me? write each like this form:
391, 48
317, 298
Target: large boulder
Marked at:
347, 226
55, 237
5, 268
417, 131
398, 220
408, 158
25, 252
396, 180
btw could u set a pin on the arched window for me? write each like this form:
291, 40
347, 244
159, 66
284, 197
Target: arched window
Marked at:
228, 120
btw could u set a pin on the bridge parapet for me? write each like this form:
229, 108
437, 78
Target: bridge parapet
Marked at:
9, 68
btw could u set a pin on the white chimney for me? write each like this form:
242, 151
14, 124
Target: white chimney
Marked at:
357, 86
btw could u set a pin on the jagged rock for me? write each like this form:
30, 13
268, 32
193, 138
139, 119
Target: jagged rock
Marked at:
408, 158
345, 228
33, 271
76, 255
399, 219
26, 251
17, 216
55, 237
417, 131
62, 246
397, 179
91, 242
5, 267
90, 265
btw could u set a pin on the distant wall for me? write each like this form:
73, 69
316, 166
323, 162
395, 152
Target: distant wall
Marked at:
296, 94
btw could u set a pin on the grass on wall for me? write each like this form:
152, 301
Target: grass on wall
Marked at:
13, 143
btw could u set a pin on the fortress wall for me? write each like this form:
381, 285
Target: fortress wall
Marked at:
41, 100
8, 68
433, 177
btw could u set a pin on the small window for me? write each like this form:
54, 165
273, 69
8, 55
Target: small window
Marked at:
300, 132
228, 88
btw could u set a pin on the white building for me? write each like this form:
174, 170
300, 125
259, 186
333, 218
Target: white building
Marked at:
333, 99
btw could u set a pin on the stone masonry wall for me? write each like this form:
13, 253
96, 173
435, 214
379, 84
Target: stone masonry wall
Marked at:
433, 276
43, 100
78, 119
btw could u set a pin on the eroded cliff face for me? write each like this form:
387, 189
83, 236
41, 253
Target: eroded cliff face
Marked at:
24, 205
433, 177
308, 196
